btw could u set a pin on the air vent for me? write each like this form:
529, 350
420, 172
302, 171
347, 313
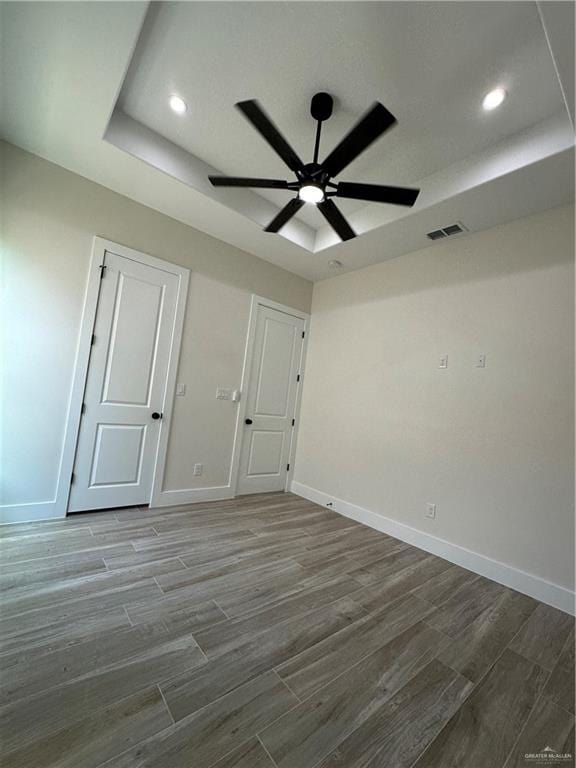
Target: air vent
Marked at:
452, 229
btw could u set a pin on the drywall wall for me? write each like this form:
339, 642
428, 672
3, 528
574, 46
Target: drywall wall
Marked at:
384, 428
49, 217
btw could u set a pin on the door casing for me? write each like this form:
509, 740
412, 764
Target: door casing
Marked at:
99, 248
246, 369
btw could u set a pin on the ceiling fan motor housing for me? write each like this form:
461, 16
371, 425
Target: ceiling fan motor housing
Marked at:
313, 172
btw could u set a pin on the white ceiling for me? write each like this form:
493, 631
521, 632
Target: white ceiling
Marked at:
429, 63
68, 67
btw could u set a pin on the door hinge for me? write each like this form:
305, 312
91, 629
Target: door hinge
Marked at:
293, 422
102, 270
93, 340
73, 479
303, 334
83, 409
288, 466
298, 377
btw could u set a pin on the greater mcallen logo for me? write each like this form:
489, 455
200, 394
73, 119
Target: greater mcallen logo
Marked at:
547, 756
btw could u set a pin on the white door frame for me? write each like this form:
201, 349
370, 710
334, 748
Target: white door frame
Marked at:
256, 302
99, 248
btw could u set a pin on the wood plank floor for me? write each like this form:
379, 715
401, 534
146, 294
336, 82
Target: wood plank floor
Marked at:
267, 632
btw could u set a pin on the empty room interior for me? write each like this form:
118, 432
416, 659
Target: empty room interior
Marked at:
287, 384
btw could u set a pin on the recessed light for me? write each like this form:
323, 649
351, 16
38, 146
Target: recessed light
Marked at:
177, 104
493, 99
311, 193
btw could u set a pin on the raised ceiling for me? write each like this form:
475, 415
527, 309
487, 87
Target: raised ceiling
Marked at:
429, 63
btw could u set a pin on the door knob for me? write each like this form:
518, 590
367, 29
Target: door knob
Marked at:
156, 415
248, 421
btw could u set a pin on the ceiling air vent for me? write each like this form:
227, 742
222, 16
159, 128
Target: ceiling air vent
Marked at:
452, 229
436, 235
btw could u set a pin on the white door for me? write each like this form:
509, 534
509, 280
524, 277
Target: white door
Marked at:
270, 401
125, 386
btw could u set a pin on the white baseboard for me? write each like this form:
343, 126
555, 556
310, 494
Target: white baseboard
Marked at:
527, 583
49, 510
192, 496
28, 513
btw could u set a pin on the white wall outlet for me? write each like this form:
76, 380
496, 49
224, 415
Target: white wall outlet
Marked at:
223, 393
443, 362
180, 390
431, 511
481, 361
198, 469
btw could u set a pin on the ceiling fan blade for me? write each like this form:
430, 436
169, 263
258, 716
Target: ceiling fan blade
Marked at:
368, 129
240, 181
336, 220
291, 208
377, 193
253, 112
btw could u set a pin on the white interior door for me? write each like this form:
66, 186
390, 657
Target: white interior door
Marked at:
125, 386
270, 401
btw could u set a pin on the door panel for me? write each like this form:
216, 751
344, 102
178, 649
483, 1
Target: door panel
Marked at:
134, 336
117, 456
273, 390
265, 453
126, 383
270, 401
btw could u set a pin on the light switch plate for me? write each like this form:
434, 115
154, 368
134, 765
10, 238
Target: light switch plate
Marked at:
180, 390
481, 361
443, 362
223, 393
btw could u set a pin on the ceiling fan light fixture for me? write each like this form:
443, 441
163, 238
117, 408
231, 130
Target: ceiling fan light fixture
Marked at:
177, 104
311, 193
493, 99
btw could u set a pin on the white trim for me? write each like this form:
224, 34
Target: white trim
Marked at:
297, 405
99, 248
78, 380
28, 513
527, 583
192, 496
170, 390
256, 302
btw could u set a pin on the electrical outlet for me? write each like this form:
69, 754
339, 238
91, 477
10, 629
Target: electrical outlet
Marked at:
431, 511
443, 362
481, 361
198, 469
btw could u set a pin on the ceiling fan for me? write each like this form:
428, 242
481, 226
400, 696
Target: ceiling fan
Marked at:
313, 180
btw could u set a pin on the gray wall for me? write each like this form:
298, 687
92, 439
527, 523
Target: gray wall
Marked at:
385, 429
49, 217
